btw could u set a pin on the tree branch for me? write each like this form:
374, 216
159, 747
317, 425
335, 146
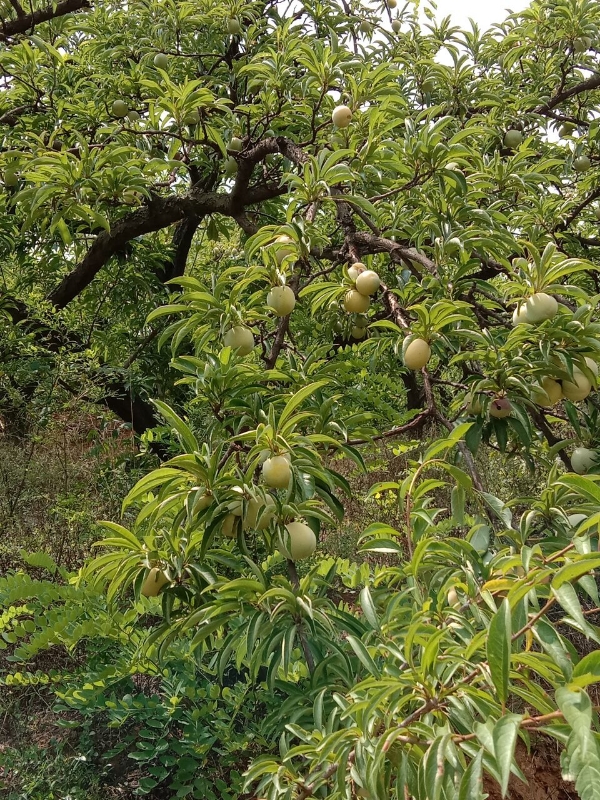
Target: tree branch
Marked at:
594, 195
584, 86
25, 22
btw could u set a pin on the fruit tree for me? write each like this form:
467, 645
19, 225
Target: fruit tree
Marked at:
272, 236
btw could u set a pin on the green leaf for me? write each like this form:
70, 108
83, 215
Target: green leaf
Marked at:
498, 650
505, 737
587, 487
498, 507
587, 670
471, 785
187, 438
570, 572
450, 441
297, 399
368, 607
363, 655
434, 766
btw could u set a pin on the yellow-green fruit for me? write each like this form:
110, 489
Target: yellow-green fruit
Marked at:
203, 502
192, 119
119, 109
365, 26
597, 212
355, 302
577, 389
550, 395
133, 115
582, 164
303, 541
540, 306
236, 507
240, 339
581, 44
392, 3
428, 85
583, 459
358, 333
355, 270
228, 526
277, 472
235, 144
396, 25
341, 116
500, 407
265, 517
453, 597
367, 282
283, 248
131, 197
161, 61
254, 508
231, 167
513, 139
519, 316
282, 300
452, 246
11, 177
417, 354
473, 404
233, 27
154, 582
566, 129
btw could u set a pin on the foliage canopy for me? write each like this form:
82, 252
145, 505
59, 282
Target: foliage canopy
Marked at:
172, 172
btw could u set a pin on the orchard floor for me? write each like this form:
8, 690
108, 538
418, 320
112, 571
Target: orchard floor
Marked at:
541, 767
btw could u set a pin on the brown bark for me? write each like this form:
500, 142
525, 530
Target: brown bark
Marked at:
25, 22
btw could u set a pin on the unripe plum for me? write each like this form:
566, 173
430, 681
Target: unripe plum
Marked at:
303, 541
417, 354
277, 472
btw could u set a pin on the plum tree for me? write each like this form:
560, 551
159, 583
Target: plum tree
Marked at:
151, 265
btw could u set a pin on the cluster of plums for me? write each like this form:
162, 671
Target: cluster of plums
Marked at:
537, 309
358, 299
254, 514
